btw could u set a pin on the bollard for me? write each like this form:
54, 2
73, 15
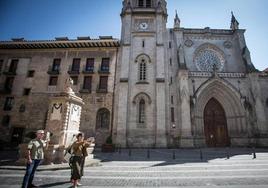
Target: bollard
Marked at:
254, 153
228, 153
174, 154
120, 149
148, 153
129, 152
201, 155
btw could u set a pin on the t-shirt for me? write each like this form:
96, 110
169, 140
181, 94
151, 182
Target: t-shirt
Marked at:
37, 148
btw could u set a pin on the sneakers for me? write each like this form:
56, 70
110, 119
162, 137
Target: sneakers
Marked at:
79, 184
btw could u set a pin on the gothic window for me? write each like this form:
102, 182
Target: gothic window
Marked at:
103, 119
142, 111
140, 3
172, 114
148, 3
208, 58
142, 67
145, 3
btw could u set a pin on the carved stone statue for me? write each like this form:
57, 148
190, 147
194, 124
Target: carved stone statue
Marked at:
68, 86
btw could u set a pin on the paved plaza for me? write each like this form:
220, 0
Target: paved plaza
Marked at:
228, 168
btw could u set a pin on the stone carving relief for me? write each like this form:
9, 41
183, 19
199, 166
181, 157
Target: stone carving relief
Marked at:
188, 43
56, 111
75, 113
228, 44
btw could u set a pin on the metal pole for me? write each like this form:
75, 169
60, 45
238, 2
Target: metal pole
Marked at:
228, 153
254, 153
201, 154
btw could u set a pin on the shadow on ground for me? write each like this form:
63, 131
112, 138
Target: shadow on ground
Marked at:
179, 156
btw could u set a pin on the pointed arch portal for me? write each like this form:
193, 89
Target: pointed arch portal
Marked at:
215, 125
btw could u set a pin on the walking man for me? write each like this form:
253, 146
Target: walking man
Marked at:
34, 157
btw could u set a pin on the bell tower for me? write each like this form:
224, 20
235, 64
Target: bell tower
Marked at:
140, 117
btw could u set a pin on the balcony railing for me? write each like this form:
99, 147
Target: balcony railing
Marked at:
104, 70
53, 70
73, 70
88, 69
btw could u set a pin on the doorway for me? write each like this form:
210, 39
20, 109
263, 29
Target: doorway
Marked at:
215, 125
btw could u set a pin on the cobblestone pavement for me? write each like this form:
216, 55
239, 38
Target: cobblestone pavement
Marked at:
228, 168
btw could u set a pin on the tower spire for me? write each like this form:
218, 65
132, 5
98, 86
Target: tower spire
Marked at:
177, 21
234, 22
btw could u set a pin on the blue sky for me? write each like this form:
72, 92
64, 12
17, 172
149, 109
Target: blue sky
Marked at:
47, 19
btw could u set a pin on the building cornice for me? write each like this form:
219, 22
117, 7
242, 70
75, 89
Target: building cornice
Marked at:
51, 44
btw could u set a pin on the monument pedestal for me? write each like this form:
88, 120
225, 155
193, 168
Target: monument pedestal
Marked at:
63, 121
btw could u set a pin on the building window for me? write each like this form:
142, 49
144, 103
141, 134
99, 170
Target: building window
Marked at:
26, 91
171, 80
87, 83
30, 73
75, 80
13, 65
105, 64
103, 83
171, 99
56, 65
144, 3
142, 67
1, 64
53, 80
140, 3
9, 83
103, 119
148, 3
142, 111
170, 61
172, 115
143, 43
5, 121
90, 65
8, 103
76, 64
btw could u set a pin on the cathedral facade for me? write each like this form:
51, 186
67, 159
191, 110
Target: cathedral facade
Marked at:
155, 87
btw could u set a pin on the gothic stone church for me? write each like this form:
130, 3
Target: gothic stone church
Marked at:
156, 87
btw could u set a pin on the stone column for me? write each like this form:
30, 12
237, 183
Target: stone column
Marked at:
186, 129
